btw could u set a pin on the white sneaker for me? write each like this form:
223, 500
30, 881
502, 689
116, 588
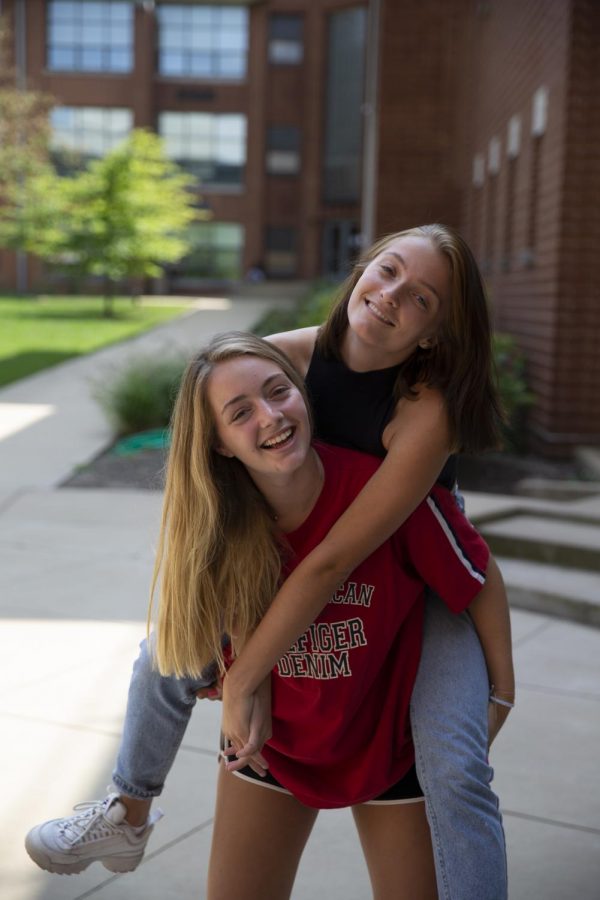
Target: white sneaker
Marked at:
97, 833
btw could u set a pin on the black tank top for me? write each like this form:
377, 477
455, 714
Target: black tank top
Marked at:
351, 409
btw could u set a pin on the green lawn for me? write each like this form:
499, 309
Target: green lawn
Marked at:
36, 333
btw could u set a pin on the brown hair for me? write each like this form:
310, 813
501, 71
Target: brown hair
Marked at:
460, 363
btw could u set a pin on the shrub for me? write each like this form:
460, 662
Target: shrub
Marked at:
276, 320
312, 309
141, 395
512, 384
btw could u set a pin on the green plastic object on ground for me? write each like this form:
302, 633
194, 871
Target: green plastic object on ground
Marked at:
156, 439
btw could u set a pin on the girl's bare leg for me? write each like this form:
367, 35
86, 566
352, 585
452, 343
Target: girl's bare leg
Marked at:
396, 842
258, 838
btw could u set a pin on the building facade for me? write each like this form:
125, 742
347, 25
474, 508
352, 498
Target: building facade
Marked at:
530, 202
315, 125
260, 100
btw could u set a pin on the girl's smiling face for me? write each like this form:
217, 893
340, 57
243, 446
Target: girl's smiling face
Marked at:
260, 416
399, 301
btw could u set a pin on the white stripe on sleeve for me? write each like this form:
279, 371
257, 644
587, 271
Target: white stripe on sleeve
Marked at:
466, 562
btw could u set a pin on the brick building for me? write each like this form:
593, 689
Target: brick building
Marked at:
315, 124
532, 209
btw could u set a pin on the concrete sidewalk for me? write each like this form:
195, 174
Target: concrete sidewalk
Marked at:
49, 422
74, 577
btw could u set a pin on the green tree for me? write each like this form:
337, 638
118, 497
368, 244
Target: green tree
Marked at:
23, 124
124, 217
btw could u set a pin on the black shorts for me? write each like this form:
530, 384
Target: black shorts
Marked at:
407, 790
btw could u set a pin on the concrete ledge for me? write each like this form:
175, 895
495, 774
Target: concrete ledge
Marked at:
546, 540
588, 461
551, 489
553, 590
569, 608
483, 508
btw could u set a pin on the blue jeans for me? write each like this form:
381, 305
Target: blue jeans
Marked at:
449, 722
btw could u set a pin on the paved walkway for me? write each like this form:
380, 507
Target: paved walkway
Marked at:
74, 575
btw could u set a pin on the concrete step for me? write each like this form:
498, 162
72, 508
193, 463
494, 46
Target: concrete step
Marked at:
482, 508
553, 489
588, 461
553, 590
545, 539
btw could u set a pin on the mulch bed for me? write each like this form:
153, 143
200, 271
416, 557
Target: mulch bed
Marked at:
143, 470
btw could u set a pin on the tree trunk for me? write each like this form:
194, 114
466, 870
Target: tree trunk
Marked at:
135, 290
109, 296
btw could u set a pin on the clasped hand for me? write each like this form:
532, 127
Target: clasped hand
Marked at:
246, 725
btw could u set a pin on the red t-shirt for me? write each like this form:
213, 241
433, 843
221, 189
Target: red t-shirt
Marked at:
341, 729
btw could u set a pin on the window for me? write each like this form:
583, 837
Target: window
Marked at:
210, 146
286, 40
509, 213
81, 133
539, 122
528, 255
283, 150
341, 246
90, 37
513, 147
197, 41
216, 253
490, 223
281, 258
491, 216
344, 96
475, 208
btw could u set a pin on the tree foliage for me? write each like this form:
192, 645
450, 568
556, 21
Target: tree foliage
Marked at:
123, 217
23, 123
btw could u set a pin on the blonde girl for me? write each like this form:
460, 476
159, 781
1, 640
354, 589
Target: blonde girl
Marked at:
242, 473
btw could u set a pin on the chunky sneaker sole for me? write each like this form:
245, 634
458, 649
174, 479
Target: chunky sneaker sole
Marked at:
45, 861
96, 833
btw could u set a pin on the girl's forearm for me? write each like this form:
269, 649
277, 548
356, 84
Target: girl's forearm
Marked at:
491, 617
290, 614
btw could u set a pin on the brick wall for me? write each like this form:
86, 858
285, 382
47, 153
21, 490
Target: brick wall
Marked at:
417, 85
488, 118
577, 382
526, 215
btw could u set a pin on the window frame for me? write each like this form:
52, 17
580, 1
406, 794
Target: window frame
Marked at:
211, 130
90, 34
285, 39
212, 39
212, 252
283, 153
69, 159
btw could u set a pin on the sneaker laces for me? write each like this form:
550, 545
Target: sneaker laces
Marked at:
91, 823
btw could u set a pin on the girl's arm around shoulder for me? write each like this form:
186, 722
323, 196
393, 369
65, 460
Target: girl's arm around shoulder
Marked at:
298, 345
417, 448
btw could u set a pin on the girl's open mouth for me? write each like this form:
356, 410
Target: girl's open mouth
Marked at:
377, 313
279, 440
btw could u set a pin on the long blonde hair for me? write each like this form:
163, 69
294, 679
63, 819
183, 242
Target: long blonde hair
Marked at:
460, 364
218, 556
